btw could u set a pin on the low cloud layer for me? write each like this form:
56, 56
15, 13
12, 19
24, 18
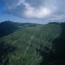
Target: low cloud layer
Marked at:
47, 10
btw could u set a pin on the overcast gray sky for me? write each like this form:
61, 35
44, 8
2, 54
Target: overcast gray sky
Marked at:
35, 11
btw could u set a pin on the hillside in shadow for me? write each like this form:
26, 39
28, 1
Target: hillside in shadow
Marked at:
59, 44
7, 27
55, 56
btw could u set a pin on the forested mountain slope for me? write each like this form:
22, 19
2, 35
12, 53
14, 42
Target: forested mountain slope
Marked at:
34, 45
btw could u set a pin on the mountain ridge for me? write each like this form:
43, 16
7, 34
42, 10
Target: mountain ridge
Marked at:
37, 45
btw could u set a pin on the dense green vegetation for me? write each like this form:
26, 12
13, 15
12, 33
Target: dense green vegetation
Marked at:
33, 44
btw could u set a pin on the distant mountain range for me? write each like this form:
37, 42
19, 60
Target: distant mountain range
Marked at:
8, 27
32, 44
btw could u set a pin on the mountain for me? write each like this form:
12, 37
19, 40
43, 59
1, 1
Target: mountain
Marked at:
8, 27
33, 44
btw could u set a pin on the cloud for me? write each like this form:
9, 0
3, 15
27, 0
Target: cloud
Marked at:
50, 10
37, 13
24, 9
32, 12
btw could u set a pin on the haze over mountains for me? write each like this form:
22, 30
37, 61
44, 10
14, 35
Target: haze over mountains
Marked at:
32, 44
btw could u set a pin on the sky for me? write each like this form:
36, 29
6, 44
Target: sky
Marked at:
33, 11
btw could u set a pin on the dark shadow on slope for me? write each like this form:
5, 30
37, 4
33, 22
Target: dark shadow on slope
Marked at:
46, 56
57, 54
5, 49
7, 27
59, 44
